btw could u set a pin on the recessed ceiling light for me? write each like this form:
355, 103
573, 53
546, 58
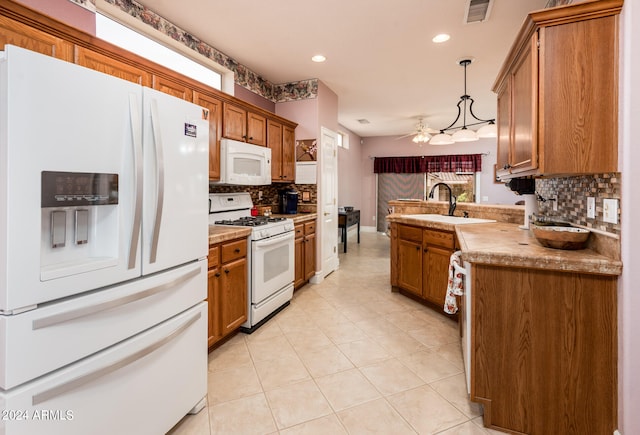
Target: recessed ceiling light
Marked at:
318, 58
442, 37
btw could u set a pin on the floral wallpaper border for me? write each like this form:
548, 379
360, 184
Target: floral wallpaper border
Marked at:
243, 76
87, 4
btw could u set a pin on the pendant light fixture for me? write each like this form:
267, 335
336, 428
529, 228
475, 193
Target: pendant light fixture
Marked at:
462, 133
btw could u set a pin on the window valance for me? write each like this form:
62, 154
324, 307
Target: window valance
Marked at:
418, 164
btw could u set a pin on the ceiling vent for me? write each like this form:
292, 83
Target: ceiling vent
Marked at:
477, 11
363, 121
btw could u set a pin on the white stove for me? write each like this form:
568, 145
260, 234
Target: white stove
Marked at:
271, 263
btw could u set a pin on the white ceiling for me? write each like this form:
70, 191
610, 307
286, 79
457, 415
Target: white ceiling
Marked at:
380, 59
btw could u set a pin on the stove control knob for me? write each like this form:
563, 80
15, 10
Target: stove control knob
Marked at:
263, 234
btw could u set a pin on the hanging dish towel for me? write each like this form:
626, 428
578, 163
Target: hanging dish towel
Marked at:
455, 286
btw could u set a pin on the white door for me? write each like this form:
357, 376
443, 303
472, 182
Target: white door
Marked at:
329, 201
76, 125
176, 188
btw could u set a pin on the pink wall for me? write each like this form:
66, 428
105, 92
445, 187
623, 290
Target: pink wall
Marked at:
350, 186
327, 108
628, 290
305, 113
253, 98
386, 146
65, 11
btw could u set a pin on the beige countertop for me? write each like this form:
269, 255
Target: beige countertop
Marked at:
222, 233
299, 217
504, 244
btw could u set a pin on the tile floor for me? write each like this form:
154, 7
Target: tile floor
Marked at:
346, 357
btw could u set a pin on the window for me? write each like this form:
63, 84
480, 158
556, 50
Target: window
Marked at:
141, 45
343, 140
462, 185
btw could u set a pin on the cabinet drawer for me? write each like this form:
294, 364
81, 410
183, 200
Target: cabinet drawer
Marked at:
234, 250
214, 256
439, 238
309, 228
406, 232
299, 230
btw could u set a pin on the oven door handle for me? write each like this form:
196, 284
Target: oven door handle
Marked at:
458, 268
273, 240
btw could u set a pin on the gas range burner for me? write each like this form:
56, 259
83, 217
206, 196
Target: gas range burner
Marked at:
250, 221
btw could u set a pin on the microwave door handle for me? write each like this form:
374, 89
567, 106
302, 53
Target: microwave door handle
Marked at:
274, 240
157, 144
134, 117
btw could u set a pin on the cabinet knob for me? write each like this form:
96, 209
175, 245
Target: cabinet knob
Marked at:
237, 250
417, 248
425, 249
217, 274
226, 271
507, 166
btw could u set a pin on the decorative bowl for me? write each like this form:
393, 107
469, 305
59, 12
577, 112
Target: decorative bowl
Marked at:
561, 237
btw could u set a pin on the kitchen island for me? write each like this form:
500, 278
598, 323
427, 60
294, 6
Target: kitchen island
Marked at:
542, 328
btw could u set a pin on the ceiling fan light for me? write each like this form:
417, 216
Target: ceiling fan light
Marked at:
421, 137
489, 130
441, 139
464, 135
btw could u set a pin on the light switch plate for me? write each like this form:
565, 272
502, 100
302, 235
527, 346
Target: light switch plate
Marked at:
610, 210
591, 207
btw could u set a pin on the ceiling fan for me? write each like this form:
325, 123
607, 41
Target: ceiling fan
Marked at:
421, 134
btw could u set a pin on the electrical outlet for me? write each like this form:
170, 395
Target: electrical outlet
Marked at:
555, 202
591, 207
610, 210
485, 199
259, 195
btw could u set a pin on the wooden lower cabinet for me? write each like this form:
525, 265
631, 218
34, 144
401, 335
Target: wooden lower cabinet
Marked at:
421, 258
227, 288
305, 253
544, 350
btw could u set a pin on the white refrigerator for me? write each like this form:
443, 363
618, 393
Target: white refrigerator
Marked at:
103, 244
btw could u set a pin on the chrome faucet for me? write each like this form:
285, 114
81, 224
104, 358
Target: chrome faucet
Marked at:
452, 198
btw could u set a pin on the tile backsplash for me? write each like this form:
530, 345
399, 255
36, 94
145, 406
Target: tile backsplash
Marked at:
572, 193
270, 194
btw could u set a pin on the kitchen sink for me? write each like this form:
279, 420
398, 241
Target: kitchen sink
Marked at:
455, 220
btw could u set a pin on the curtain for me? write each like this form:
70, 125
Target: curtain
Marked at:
420, 164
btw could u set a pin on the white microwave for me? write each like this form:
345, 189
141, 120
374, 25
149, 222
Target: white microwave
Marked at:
243, 163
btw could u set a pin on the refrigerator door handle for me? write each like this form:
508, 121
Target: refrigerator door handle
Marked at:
76, 382
66, 316
137, 179
157, 143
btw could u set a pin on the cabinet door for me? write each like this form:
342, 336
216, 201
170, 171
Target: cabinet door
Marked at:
213, 290
274, 142
504, 131
215, 130
309, 256
288, 154
299, 274
410, 266
256, 129
234, 122
21, 35
233, 295
436, 273
524, 112
171, 87
104, 64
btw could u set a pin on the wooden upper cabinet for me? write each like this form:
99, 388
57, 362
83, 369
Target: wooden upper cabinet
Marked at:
243, 125
256, 129
215, 130
105, 64
288, 154
558, 93
274, 142
234, 122
21, 35
172, 87
524, 105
